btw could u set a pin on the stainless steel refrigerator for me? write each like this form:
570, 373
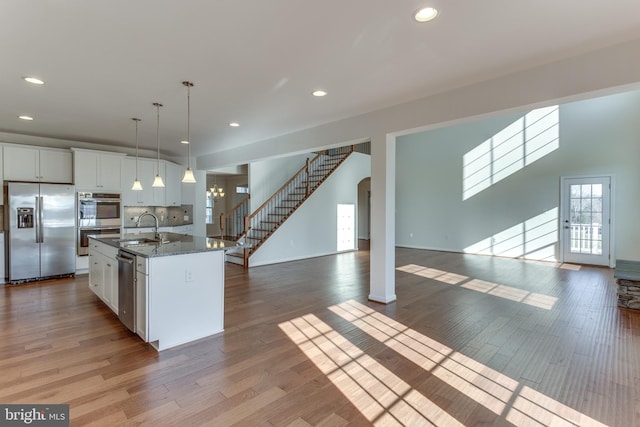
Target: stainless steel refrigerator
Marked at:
40, 226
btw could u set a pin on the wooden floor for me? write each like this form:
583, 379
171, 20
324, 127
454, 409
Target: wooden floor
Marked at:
471, 340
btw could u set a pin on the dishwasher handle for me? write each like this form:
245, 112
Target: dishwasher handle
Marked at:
125, 260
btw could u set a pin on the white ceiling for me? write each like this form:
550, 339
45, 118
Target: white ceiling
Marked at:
257, 61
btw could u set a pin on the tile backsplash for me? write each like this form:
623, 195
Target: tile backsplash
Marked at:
167, 216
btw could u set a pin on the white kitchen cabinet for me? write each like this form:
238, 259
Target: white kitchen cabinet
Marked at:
96, 170
130, 197
96, 278
110, 272
159, 197
142, 283
103, 273
26, 163
55, 166
173, 182
147, 169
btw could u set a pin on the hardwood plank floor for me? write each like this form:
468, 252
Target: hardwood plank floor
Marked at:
472, 340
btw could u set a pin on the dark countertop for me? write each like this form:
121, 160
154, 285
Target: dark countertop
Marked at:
177, 244
627, 270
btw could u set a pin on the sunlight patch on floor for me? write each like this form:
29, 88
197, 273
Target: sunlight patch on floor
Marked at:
519, 404
381, 396
503, 291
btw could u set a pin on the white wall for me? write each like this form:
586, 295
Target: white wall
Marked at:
312, 229
267, 176
598, 136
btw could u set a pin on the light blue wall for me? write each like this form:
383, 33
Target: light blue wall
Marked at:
597, 136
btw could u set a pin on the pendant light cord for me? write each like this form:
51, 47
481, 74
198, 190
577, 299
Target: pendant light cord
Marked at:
189, 125
188, 84
158, 105
136, 120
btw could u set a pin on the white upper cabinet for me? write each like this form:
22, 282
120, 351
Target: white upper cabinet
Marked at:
173, 182
26, 163
147, 170
95, 170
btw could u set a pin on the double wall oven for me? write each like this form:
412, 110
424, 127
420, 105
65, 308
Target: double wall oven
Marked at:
98, 214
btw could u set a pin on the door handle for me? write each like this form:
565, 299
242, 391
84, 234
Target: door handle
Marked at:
124, 260
41, 218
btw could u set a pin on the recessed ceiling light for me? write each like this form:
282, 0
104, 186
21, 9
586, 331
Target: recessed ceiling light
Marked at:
234, 124
34, 80
426, 14
319, 93
25, 118
184, 142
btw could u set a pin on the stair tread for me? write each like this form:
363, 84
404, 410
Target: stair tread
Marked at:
235, 254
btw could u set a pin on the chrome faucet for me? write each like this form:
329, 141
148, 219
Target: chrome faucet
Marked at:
157, 235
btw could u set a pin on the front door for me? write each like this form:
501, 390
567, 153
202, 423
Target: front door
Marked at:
586, 220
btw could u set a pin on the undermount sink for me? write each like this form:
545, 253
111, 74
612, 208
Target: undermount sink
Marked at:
141, 241
127, 243
137, 241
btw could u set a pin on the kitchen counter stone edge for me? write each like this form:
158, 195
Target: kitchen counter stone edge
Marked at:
178, 244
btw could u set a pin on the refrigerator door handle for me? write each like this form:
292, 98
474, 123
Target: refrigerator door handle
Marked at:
36, 220
40, 220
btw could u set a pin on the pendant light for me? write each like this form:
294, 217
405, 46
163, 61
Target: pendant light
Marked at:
188, 174
157, 182
137, 185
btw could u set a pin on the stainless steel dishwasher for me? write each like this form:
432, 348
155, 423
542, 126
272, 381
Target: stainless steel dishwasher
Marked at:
127, 289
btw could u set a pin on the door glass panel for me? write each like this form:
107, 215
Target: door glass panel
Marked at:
586, 218
575, 191
597, 190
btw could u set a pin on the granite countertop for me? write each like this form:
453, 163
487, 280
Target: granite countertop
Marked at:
175, 244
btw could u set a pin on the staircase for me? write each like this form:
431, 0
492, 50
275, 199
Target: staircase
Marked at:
232, 222
265, 220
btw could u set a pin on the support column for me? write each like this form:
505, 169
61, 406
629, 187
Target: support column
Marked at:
383, 219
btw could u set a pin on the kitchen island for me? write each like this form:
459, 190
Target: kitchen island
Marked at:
176, 290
